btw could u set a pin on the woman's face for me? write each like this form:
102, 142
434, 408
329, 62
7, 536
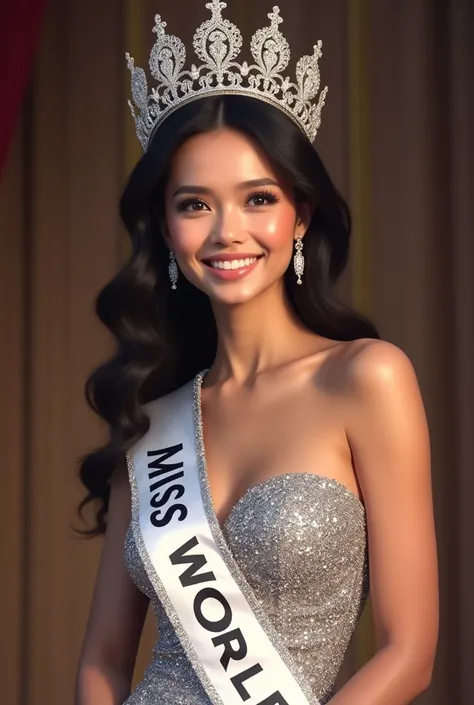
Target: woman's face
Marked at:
229, 219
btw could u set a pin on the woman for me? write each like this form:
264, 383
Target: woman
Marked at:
267, 450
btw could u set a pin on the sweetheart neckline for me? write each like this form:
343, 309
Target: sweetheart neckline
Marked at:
319, 478
199, 435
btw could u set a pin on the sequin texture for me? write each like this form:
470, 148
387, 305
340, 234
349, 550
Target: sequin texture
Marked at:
300, 544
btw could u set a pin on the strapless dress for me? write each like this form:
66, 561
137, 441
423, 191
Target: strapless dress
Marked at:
300, 542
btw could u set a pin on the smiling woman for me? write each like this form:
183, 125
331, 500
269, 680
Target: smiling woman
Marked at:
197, 195
277, 451
230, 226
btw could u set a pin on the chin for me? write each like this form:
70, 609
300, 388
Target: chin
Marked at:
243, 293
235, 293
232, 298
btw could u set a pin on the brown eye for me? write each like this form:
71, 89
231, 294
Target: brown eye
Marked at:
191, 205
263, 198
259, 200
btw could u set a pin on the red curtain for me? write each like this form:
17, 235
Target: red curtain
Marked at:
20, 25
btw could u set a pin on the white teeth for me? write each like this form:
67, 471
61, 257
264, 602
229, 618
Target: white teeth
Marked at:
233, 264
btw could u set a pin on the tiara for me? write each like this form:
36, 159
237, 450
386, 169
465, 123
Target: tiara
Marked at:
217, 42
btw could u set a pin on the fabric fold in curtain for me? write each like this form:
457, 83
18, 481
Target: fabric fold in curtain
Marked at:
20, 26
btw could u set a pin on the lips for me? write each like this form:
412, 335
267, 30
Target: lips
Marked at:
233, 263
232, 266
231, 256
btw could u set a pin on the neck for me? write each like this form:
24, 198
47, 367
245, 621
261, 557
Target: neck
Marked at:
258, 335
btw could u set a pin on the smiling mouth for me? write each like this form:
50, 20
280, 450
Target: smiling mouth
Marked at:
233, 264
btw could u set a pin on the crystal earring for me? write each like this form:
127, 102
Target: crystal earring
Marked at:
298, 259
173, 270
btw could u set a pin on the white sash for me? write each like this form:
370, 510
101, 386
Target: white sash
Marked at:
235, 657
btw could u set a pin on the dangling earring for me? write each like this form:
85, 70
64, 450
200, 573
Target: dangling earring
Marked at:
173, 270
298, 259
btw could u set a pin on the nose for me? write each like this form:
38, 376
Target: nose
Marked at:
228, 227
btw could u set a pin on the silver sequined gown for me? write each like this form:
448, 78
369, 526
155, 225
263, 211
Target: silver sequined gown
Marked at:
300, 544
300, 541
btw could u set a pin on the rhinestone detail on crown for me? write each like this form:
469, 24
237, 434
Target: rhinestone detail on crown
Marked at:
217, 42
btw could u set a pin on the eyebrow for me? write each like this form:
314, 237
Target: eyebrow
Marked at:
243, 185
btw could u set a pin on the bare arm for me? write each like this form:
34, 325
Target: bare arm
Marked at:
117, 614
388, 434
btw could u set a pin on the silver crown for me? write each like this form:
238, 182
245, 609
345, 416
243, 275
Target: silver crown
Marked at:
217, 43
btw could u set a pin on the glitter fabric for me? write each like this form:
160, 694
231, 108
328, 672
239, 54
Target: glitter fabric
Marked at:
300, 544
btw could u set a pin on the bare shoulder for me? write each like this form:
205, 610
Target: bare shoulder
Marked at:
371, 366
384, 414
387, 432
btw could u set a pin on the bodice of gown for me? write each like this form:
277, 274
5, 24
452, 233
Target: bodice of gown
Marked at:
300, 540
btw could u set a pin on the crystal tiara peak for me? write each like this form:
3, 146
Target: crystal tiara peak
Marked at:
217, 42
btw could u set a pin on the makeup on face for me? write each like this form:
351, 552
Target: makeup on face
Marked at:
230, 267
227, 212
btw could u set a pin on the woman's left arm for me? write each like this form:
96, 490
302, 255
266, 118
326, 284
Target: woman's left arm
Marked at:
388, 435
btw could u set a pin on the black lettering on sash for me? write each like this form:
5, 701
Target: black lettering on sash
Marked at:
157, 501
229, 652
164, 454
197, 562
238, 680
165, 481
275, 698
163, 470
162, 474
212, 593
158, 523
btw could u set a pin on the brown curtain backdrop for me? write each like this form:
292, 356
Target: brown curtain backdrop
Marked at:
397, 138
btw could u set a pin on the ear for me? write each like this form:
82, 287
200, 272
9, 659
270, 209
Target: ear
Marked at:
304, 215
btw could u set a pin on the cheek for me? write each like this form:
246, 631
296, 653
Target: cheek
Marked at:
276, 228
187, 236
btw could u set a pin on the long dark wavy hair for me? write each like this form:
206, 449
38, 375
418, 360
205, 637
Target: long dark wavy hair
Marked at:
165, 337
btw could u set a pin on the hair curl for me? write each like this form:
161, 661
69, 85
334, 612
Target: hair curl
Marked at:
165, 337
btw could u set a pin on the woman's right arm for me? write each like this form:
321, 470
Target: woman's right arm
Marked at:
117, 613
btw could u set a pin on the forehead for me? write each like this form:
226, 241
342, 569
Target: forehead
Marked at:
219, 157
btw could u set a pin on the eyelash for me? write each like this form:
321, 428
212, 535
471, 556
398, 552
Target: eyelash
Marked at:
266, 195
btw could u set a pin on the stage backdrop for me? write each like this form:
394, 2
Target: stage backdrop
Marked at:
397, 138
